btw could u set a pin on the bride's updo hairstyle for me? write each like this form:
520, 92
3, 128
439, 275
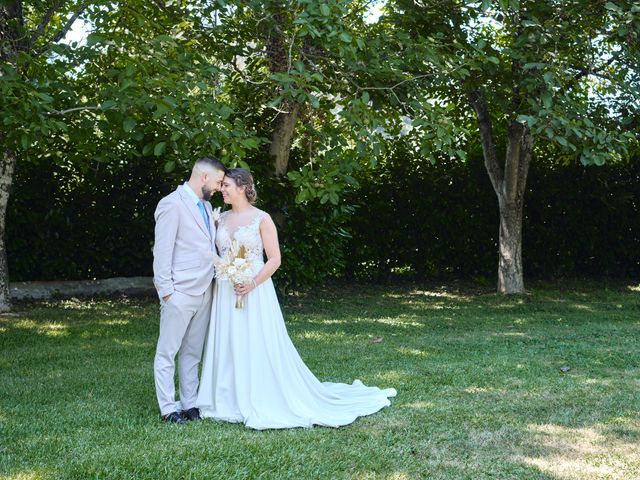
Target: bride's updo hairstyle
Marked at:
242, 178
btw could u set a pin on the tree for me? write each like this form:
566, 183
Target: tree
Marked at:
142, 85
27, 32
298, 62
165, 79
529, 72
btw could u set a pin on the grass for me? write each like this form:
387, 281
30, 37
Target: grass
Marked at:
480, 393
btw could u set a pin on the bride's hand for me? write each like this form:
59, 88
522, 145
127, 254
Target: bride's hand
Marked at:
244, 288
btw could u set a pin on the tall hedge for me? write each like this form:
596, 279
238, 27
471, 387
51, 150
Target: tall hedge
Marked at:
421, 220
407, 218
69, 224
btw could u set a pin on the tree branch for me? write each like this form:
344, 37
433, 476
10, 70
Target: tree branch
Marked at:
486, 136
595, 71
45, 22
245, 77
358, 10
290, 59
410, 79
525, 160
63, 32
76, 109
12, 37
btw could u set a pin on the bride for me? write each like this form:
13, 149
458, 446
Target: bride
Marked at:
252, 372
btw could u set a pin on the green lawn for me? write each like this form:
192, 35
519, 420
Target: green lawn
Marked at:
480, 392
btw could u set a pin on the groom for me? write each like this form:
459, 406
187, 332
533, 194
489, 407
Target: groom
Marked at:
183, 270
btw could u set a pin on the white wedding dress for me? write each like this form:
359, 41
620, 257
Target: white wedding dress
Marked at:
252, 372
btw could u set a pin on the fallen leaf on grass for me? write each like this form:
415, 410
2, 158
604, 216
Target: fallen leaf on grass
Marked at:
377, 339
565, 369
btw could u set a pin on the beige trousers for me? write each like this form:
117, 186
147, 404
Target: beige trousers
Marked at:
183, 327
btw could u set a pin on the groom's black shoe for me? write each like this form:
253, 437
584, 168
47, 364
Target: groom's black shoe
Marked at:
191, 414
173, 417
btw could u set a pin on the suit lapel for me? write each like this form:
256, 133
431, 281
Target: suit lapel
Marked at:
193, 209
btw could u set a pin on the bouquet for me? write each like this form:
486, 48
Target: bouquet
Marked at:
236, 268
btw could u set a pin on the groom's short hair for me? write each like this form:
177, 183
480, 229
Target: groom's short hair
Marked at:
210, 163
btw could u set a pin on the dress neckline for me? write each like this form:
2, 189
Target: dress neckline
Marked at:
232, 236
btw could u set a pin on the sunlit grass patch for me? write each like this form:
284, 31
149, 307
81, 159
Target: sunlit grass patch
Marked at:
413, 351
584, 452
50, 329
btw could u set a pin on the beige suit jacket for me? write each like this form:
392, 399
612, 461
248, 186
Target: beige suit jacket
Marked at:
184, 250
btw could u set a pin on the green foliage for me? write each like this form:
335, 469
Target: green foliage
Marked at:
154, 89
173, 83
583, 220
141, 85
313, 233
420, 220
569, 70
317, 56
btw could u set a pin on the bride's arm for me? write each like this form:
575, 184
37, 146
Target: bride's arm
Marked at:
269, 235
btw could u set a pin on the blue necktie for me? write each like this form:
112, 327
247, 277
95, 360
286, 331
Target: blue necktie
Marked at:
204, 215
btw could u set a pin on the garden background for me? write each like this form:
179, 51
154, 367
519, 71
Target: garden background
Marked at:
421, 159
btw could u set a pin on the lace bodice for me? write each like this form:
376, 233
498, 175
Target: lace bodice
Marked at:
247, 234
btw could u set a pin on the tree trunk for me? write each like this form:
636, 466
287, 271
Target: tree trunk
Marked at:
12, 34
12, 40
510, 272
280, 53
284, 127
7, 164
509, 183
511, 202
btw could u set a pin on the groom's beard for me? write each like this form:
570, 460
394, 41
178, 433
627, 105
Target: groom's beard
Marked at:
206, 194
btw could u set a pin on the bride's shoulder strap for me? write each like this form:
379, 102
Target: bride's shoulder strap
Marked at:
223, 216
261, 215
